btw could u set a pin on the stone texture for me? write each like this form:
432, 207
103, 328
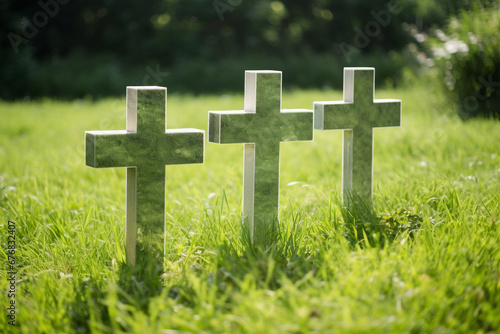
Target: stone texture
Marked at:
145, 148
357, 115
261, 127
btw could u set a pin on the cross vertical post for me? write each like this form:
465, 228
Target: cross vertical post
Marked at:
357, 115
144, 149
261, 127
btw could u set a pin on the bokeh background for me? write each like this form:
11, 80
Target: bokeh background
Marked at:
428, 259
93, 48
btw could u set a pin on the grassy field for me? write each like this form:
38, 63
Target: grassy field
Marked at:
426, 261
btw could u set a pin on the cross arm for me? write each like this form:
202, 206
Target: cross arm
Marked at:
105, 149
297, 125
334, 115
230, 127
184, 146
388, 113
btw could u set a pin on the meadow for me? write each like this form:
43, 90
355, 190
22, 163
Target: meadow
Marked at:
426, 260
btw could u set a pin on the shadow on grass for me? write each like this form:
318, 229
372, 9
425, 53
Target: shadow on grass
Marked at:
240, 266
135, 286
363, 227
237, 268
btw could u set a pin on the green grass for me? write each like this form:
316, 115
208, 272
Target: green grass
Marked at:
426, 261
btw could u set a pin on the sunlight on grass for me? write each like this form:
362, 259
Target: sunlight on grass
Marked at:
425, 260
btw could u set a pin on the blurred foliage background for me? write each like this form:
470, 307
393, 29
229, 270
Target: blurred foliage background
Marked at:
94, 48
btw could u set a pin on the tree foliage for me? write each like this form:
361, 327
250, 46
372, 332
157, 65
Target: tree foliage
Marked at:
128, 34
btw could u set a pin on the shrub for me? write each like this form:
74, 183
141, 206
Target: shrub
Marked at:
80, 75
467, 58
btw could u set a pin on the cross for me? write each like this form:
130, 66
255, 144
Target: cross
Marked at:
144, 148
357, 115
261, 127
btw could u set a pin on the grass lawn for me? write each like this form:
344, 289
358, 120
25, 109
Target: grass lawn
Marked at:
426, 261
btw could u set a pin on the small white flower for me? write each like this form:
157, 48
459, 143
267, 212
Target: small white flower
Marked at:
429, 62
421, 57
439, 53
472, 38
454, 24
455, 46
441, 35
421, 37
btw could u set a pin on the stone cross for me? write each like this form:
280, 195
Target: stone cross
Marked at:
261, 127
357, 115
145, 148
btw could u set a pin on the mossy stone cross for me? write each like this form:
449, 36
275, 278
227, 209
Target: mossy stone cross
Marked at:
261, 127
145, 147
357, 115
